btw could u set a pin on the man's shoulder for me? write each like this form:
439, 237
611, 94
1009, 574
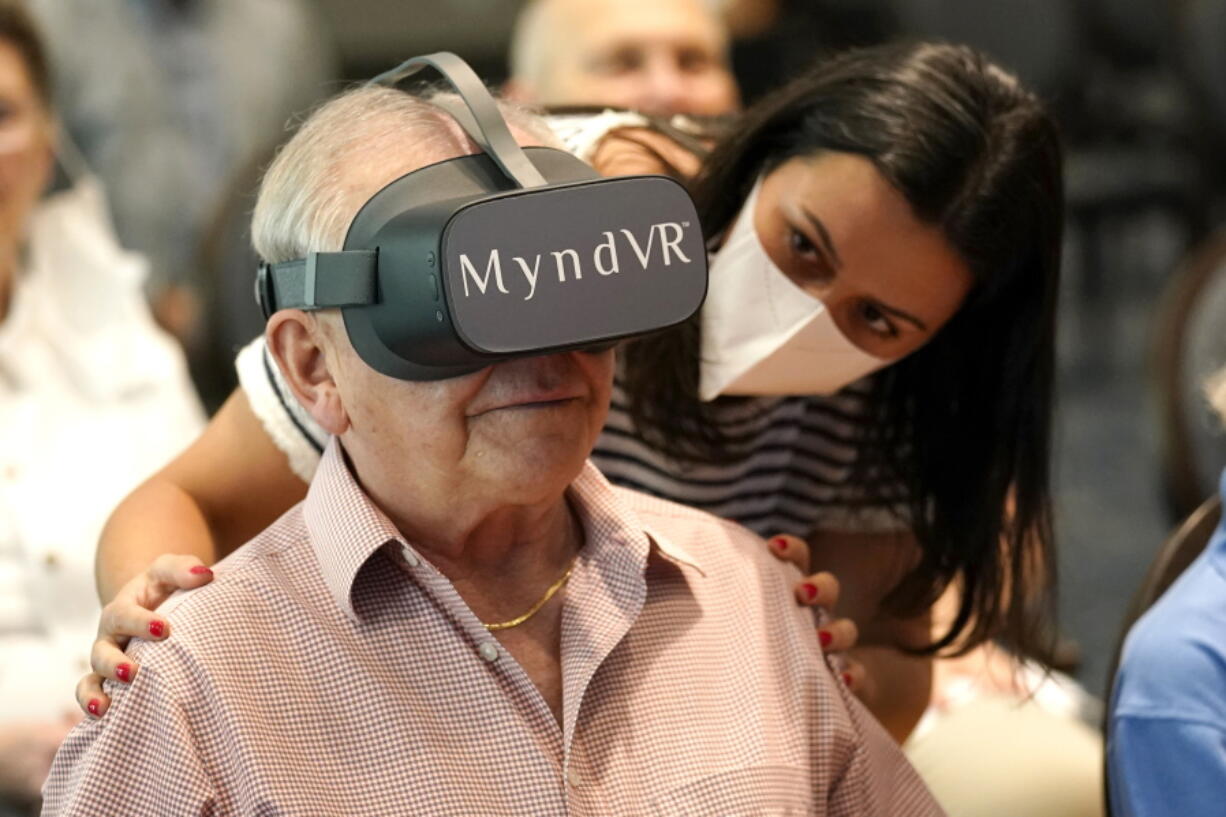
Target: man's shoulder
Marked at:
690, 524
251, 588
716, 543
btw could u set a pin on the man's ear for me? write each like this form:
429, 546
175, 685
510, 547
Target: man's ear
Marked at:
296, 342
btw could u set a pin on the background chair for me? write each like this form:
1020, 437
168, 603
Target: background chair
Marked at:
1189, 345
1179, 550
227, 264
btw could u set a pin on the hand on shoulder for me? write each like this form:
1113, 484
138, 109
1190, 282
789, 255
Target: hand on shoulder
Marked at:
820, 591
131, 615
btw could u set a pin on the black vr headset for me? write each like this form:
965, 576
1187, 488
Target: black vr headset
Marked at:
502, 254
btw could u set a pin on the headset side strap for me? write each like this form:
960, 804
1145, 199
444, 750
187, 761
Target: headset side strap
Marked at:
322, 280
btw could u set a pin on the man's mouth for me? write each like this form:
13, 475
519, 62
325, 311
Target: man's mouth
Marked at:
536, 399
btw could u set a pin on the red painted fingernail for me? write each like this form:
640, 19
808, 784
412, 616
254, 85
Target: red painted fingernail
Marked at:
157, 628
779, 543
847, 678
810, 590
124, 672
825, 637
93, 707
201, 570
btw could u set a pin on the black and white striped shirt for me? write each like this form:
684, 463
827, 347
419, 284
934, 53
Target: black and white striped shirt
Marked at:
792, 474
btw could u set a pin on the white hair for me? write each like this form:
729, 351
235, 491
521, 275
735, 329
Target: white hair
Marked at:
309, 194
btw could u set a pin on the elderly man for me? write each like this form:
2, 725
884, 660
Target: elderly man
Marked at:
556, 59
463, 617
655, 56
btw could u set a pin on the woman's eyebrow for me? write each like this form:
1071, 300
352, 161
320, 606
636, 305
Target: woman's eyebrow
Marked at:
824, 235
828, 244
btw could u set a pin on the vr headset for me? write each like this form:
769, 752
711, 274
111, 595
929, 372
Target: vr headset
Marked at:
502, 254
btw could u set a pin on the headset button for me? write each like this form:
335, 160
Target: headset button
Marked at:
434, 286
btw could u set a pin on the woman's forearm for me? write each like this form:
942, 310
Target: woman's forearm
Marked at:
897, 687
158, 517
224, 489
898, 684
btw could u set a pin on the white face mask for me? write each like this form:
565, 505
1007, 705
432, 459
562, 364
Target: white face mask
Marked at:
762, 334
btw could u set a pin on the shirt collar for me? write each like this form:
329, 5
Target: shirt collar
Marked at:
605, 514
346, 528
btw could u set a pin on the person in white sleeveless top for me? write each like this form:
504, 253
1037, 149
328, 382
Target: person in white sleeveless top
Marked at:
93, 399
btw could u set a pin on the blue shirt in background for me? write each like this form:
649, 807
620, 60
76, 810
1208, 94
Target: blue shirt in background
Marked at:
1167, 741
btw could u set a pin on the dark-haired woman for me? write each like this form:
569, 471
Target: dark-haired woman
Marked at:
872, 370
913, 194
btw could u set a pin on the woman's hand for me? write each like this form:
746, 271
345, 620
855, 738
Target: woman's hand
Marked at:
638, 151
821, 592
130, 615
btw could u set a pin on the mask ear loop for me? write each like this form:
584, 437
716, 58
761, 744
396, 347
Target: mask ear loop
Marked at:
748, 206
484, 124
69, 157
69, 166
73, 172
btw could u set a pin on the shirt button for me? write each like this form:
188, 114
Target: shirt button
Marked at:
51, 560
572, 777
410, 558
488, 650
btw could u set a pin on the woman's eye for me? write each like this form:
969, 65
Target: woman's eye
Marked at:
809, 265
801, 245
877, 321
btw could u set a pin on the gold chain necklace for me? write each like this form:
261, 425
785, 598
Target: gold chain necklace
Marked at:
534, 609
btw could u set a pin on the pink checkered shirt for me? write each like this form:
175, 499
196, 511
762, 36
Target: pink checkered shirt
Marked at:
329, 669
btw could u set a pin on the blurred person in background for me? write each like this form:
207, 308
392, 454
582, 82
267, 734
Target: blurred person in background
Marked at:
92, 397
658, 57
168, 100
1167, 727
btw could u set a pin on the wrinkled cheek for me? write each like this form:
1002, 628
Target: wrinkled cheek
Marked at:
600, 378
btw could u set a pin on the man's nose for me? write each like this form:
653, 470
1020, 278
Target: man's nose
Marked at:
665, 86
552, 367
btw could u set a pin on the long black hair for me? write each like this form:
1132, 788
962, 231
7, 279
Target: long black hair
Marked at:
964, 423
